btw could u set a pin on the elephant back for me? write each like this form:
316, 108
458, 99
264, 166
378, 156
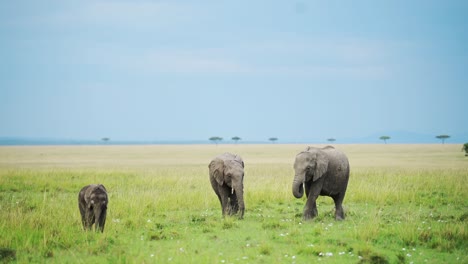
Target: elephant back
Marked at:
338, 159
229, 156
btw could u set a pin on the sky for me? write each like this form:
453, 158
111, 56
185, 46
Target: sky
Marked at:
189, 70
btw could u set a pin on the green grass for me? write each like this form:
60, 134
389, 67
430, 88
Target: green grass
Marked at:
405, 204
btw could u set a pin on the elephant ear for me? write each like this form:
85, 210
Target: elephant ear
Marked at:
100, 186
217, 170
321, 165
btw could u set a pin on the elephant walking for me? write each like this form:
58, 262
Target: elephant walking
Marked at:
92, 201
321, 171
227, 180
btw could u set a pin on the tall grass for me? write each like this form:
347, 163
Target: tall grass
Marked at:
405, 203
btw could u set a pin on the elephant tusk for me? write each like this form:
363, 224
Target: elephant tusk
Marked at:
232, 190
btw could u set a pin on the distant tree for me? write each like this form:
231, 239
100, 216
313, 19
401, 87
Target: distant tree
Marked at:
216, 140
105, 139
385, 138
465, 148
236, 138
443, 138
331, 140
273, 139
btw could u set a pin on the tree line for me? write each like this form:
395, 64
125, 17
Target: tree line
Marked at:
217, 140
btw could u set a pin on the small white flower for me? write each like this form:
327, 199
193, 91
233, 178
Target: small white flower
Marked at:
245, 257
329, 254
320, 254
341, 253
222, 261
293, 257
408, 255
181, 249
149, 221
248, 245
152, 255
404, 249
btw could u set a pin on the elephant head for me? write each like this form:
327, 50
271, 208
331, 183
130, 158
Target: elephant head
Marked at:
93, 206
310, 165
229, 173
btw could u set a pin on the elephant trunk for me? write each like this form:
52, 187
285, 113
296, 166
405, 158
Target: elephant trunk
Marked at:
240, 200
298, 187
100, 219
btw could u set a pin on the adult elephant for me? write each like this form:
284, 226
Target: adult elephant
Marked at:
92, 202
227, 180
321, 171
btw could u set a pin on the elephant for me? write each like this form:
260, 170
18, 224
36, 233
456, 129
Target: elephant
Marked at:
321, 171
227, 180
92, 201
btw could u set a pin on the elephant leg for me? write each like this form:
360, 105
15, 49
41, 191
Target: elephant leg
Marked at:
220, 200
83, 216
312, 191
89, 219
339, 212
310, 209
101, 222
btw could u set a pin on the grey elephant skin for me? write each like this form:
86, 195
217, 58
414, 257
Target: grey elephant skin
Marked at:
227, 180
92, 201
321, 171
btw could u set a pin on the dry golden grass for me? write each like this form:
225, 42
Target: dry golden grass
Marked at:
144, 157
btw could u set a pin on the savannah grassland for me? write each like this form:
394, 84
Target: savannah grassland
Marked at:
405, 204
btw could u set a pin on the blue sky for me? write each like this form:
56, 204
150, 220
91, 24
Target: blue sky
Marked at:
189, 70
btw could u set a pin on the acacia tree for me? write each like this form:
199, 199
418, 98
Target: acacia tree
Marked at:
385, 138
465, 148
105, 139
273, 139
443, 138
331, 140
236, 138
216, 140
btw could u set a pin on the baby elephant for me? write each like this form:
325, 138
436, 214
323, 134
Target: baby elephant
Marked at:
227, 180
92, 201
